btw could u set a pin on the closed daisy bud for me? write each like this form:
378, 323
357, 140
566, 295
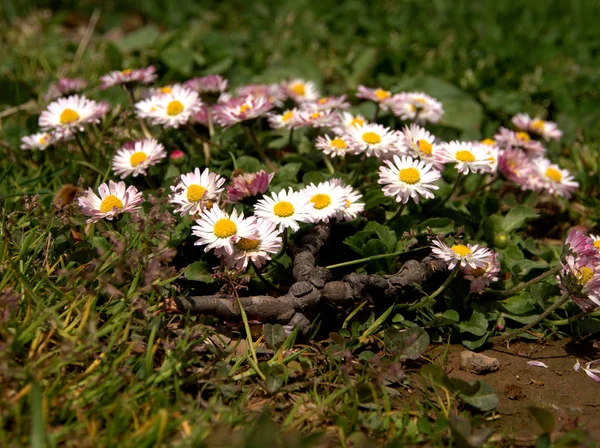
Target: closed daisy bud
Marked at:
115, 199
248, 185
241, 109
137, 159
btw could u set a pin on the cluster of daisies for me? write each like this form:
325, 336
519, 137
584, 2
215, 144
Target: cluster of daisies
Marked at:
580, 269
412, 159
478, 264
237, 239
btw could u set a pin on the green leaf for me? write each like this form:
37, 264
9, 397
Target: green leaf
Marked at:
476, 325
410, 343
517, 216
274, 335
199, 271
363, 66
178, 59
483, 399
519, 305
14, 92
437, 226
248, 164
437, 375
544, 418
288, 173
139, 39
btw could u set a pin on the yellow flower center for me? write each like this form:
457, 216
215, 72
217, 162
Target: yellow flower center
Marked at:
537, 125
465, 156
320, 201
283, 209
247, 244
461, 249
298, 89
245, 108
110, 202
174, 108
523, 136
338, 143
315, 115
488, 142
224, 228
44, 139
382, 94
166, 89
127, 71
348, 203
425, 147
586, 275
597, 245
195, 192
287, 116
68, 116
409, 175
357, 122
553, 174
323, 100
371, 138
137, 158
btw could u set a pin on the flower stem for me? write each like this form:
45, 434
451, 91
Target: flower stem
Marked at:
449, 196
283, 244
575, 318
522, 286
83, 151
290, 140
362, 167
376, 114
328, 164
398, 213
364, 260
561, 301
249, 130
441, 289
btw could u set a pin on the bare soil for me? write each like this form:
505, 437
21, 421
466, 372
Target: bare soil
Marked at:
572, 397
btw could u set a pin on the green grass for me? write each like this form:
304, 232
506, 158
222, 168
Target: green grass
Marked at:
86, 356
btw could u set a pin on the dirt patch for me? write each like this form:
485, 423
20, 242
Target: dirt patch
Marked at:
572, 397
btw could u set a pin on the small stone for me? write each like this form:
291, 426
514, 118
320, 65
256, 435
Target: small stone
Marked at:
478, 363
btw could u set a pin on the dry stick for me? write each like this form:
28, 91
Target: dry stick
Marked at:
13, 110
563, 299
522, 286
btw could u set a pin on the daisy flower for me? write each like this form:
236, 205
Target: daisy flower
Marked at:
373, 139
333, 147
596, 242
348, 120
325, 200
217, 229
301, 91
140, 75
241, 109
195, 191
507, 139
319, 118
418, 142
210, 84
481, 278
274, 93
64, 86
352, 206
582, 281
516, 166
289, 119
584, 247
248, 185
114, 200
327, 102
466, 157
462, 255
406, 178
137, 159
174, 108
416, 106
69, 114
556, 181
40, 141
146, 108
256, 250
380, 96
286, 209
548, 130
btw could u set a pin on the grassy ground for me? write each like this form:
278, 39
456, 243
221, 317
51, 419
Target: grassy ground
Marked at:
86, 359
